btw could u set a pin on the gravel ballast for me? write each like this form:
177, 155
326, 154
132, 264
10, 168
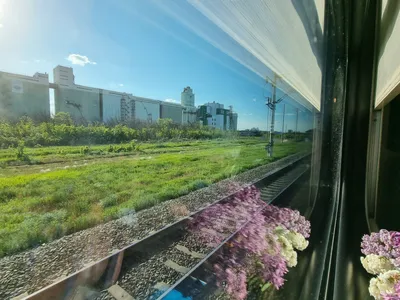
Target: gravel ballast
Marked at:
140, 278
34, 269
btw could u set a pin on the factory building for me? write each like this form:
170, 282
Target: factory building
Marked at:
112, 103
92, 104
187, 97
189, 115
24, 95
81, 102
216, 116
146, 109
171, 111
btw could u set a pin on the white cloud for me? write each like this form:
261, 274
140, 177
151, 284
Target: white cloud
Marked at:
171, 100
81, 60
121, 84
37, 61
247, 114
1, 25
254, 99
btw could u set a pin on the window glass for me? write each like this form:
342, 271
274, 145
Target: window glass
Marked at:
157, 148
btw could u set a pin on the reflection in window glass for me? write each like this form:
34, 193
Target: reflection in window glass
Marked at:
152, 149
388, 74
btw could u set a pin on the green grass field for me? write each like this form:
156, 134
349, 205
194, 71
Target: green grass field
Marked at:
70, 191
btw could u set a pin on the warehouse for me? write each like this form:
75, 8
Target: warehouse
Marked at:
24, 95
171, 111
111, 103
146, 109
82, 103
92, 104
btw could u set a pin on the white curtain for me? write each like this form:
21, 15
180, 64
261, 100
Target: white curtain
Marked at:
388, 79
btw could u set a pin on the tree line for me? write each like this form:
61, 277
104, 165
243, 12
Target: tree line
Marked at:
61, 130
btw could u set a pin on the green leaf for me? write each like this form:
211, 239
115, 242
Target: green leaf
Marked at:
253, 280
265, 287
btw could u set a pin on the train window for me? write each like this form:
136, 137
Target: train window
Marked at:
382, 188
192, 149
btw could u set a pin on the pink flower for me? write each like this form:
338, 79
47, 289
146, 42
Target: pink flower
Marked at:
274, 269
395, 238
383, 243
397, 287
391, 297
255, 248
236, 284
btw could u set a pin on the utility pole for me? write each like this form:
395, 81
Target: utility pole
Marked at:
297, 122
272, 106
267, 136
271, 103
283, 122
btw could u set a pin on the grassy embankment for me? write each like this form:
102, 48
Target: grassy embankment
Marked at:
39, 203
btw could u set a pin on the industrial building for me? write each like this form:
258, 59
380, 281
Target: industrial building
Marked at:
109, 110
171, 111
93, 104
87, 104
24, 95
209, 114
215, 115
189, 115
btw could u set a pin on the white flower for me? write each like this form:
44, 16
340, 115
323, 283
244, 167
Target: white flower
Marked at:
292, 260
298, 241
281, 231
290, 241
383, 284
374, 289
376, 264
288, 252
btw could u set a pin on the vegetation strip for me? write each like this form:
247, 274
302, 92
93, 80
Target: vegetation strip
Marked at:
38, 207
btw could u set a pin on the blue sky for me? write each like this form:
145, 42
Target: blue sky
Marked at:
135, 47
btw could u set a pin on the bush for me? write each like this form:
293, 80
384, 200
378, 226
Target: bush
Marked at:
20, 152
120, 149
109, 201
7, 194
63, 118
85, 150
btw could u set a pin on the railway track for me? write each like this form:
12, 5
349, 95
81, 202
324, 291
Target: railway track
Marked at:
154, 266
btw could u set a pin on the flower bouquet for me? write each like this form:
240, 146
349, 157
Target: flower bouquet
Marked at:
382, 258
259, 254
